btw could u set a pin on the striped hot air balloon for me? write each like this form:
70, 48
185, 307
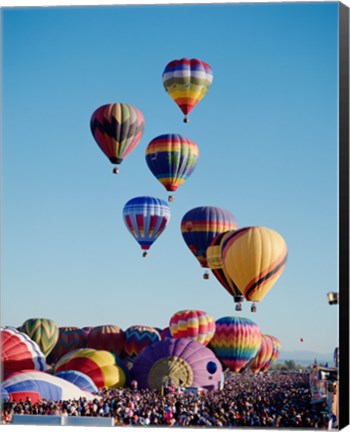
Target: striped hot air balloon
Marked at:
216, 265
19, 351
138, 337
254, 258
43, 331
276, 348
263, 356
107, 337
117, 129
146, 218
200, 225
100, 365
172, 158
236, 341
194, 324
187, 81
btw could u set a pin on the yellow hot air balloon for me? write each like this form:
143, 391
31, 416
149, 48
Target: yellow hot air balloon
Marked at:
254, 258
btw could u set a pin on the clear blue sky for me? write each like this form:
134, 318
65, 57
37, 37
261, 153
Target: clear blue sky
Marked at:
267, 135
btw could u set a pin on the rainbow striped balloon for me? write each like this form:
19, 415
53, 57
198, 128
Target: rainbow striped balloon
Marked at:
172, 158
43, 331
263, 356
194, 324
200, 225
236, 341
254, 258
276, 348
187, 81
138, 337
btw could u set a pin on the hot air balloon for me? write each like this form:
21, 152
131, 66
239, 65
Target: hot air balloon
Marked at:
263, 356
79, 379
180, 362
107, 337
200, 225
216, 265
99, 365
254, 258
236, 341
194, 324
117, 129
137, 337
69, 338
146, 218
187, 81
165, 334
276, 348
19, 352
48, 386
171, 158
43, 331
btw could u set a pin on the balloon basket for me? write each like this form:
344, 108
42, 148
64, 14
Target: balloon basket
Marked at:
115, 170
238, 307
206, 276
185, 120
144, 254
170, 198
253, 308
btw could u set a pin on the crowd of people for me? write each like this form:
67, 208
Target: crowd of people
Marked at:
247, 400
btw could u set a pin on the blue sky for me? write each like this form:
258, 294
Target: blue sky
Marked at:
267, 135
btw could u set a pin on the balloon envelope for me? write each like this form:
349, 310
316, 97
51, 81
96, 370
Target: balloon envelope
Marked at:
194, 324
69, 338
200, 225
107, 337
172, 158
181, 362
49, 387
43, 331
137, 337
236, 341
146, 218
80, 379
19, 352
254, 258
187, 81
263, 356
216, 264
99, 365
117, 129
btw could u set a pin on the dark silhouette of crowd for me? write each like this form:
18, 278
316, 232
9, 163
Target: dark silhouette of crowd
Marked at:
263, 400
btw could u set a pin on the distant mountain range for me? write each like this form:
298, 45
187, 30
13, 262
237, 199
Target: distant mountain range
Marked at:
305, 358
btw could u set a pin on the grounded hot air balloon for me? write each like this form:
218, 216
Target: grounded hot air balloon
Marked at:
79, 379
69, 338
200, 225
276, 348
263, 356
137, 337
194, 324
117, 129
19, 352
172, 158
106, 337
181, 362
165, 334
216, 265
254, 258
48, 386
43, 331
100, 365
187, 81
236, 341
146, 218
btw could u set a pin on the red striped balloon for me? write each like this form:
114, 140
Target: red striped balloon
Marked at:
194, 324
